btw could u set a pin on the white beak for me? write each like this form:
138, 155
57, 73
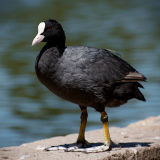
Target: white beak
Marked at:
38, 38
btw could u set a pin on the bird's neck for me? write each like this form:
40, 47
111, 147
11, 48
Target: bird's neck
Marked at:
60, 46
47, 46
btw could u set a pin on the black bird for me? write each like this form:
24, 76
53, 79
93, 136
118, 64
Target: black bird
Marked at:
86, 76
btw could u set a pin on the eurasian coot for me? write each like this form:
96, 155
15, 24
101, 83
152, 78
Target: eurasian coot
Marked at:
84, 75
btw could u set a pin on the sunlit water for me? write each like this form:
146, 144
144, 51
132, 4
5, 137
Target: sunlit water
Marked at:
28, 111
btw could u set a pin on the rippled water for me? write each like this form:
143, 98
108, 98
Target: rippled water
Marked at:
28, 111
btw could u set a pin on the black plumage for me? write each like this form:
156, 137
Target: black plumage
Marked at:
84, 75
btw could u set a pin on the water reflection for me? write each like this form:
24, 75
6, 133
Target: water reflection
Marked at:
28, 110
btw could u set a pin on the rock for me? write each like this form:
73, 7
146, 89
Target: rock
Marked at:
140, 140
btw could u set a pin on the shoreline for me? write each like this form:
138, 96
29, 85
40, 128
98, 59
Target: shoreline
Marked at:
140, 140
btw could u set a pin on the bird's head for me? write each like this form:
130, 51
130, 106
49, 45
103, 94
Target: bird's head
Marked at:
50, 31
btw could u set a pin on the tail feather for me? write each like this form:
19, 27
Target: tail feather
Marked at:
126, 91
139, 95
139, 85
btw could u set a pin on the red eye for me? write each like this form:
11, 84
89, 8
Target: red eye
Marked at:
49, 27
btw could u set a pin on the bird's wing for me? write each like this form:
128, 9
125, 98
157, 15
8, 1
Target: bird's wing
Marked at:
108, 67
99, 65
133, 77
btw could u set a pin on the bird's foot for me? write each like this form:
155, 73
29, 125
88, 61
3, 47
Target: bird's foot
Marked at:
83, 144
81, 147
107, 146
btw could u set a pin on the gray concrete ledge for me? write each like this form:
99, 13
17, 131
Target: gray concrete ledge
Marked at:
140, 140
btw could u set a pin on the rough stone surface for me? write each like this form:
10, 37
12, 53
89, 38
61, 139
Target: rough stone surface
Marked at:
138, 141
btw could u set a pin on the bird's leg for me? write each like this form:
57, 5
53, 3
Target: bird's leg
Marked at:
81, 138
104, 119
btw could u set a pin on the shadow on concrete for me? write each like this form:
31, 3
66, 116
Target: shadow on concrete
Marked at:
75, 144
95, 147
132, 144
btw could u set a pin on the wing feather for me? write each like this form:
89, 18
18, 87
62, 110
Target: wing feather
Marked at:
133, 77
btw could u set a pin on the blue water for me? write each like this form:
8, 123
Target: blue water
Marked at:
28, 111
